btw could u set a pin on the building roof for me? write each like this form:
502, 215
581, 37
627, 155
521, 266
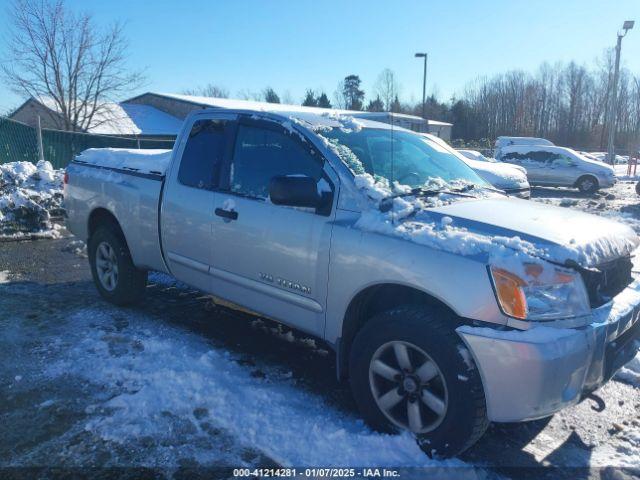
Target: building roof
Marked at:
134, 119
228, 103
123, 119
439, 123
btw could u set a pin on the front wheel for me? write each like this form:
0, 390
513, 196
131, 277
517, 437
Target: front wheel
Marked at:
409, 370
116, 277
588, 184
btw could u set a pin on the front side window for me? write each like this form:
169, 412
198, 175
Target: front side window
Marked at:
202, 154
563, 161
261, 154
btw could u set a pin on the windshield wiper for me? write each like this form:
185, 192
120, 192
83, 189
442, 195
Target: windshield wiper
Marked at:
387, 202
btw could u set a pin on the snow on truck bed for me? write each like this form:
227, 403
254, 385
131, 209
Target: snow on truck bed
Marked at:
139, 160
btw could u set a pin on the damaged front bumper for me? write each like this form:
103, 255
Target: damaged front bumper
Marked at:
534, 373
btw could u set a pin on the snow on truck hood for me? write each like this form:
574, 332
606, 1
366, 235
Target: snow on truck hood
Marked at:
496, 228
562, 233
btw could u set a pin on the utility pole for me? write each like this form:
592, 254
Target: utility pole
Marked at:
424, 83
40, 149
628, 25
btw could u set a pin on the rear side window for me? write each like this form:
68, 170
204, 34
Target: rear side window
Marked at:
261, 154
202, 154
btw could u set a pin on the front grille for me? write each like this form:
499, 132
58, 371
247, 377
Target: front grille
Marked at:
607, 280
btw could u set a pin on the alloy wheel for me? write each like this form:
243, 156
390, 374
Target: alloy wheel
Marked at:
107, 266
408, 386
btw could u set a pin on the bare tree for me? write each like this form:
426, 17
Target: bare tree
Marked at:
386, 88
209, 90
246, 94
63, 60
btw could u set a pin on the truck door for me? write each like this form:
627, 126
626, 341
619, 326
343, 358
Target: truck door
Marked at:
188, 200
270, 258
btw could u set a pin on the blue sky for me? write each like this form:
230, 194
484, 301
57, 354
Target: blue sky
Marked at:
294, 45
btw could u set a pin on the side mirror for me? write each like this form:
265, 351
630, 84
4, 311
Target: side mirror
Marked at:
295, 192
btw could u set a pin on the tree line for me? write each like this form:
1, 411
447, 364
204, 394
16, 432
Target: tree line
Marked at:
566, 103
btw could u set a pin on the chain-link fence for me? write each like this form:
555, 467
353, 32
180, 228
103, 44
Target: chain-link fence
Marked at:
19, 142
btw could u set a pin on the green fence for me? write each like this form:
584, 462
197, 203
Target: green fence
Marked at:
19, 142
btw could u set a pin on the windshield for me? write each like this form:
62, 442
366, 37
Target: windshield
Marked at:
407, 158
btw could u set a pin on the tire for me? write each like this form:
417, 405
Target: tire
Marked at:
458, 383
588, 184
129, 283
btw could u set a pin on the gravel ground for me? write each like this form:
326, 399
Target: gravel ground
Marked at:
86, 384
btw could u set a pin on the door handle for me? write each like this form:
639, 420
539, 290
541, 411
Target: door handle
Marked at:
230, 214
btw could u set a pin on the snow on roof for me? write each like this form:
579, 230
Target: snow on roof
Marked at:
389, 114
127, 119
230, 103
437, 122
133, 119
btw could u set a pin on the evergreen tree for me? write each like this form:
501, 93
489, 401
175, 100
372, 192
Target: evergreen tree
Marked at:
310, 99
395, 105
270, 95
323, 101
376, 105
353, 96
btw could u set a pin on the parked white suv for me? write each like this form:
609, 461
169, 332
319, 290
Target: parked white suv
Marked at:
505, 141
554, 166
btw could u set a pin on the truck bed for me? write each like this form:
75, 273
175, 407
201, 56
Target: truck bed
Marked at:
98, 177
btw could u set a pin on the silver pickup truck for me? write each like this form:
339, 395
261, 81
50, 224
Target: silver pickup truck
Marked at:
447, 303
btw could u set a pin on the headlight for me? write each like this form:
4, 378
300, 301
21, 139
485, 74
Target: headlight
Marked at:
540, 292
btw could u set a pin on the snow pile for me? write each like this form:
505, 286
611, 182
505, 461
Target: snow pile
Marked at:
139, 160
30, 195
622, 173
347, 122
172, 378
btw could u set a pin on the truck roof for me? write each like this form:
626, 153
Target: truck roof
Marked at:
327, 118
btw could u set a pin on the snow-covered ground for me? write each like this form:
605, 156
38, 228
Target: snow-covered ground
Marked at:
178, 382
626, 172
30, 198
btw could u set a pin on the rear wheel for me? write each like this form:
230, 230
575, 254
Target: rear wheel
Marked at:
409, 370
116, 277
588, 184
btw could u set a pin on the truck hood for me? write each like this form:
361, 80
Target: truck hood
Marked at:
563, 234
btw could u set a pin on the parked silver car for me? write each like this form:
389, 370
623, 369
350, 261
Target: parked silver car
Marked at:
549, 165
447, 304
510, 178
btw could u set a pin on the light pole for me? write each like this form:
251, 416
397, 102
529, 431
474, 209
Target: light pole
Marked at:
626, 26
424, 82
